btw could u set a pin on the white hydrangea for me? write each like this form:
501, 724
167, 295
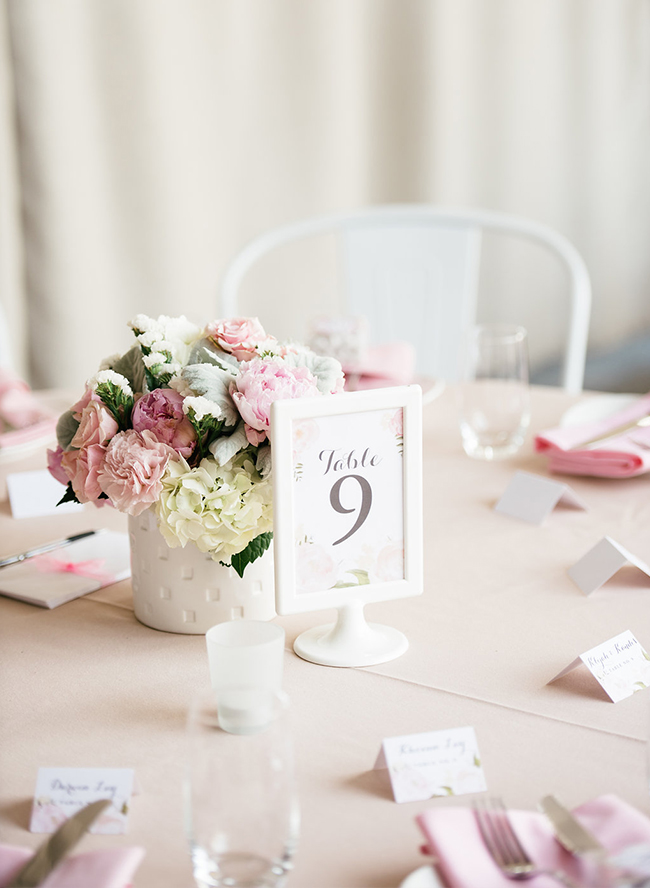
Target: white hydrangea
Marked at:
202, 407
219, 508
111, 376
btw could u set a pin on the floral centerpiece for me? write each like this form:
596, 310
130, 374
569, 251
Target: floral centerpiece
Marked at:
180, 424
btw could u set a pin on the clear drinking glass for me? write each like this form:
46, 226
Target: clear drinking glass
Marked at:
493, 401
240, 793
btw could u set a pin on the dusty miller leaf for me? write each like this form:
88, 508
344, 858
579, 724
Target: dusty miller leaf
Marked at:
66, 429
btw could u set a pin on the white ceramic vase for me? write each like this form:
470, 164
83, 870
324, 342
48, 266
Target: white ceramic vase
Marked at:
183, 590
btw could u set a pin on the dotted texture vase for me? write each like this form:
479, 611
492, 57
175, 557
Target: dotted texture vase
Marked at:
183, 590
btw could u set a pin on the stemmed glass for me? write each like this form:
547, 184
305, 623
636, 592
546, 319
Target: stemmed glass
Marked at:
240, 795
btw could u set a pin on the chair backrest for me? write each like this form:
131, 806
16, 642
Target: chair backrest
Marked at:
412, 270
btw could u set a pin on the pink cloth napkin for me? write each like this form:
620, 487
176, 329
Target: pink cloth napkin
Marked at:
382, 365
626, 455
112, 868
22, 419
454, 840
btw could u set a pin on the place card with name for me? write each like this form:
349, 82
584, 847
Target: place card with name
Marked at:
601, 563
432, 764
61, 792
621, 666
531, 497
34, 494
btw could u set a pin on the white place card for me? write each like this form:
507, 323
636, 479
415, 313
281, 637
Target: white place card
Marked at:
601, 563
532, 497
621, 666
61, 792
432, 764
34, 494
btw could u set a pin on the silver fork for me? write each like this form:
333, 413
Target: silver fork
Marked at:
505, 848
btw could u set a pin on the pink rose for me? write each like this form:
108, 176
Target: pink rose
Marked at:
132, 471
390, 562
54, 465
316, 570
88, 396
161, 412
262, 381
238, 336
396, 424
82, 468
96, 426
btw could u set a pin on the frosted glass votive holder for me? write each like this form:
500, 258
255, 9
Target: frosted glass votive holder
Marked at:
246, 653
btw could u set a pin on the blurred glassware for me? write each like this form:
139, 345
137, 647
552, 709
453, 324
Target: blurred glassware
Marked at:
241, 803
245, 652
493, 395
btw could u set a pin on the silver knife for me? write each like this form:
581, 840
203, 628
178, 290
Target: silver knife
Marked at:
50, 854
570, 833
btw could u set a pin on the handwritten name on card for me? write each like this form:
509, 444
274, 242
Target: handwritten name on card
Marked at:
601, 563
431, 764
531, 497
61, 792
620, 665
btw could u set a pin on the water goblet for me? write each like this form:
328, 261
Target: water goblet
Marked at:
241, 804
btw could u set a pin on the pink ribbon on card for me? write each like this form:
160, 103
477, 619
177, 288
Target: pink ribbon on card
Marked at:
93, 568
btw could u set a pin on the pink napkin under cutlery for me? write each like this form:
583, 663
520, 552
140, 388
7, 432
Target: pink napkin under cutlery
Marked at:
624, 455
382, 365
110, 868
22, 419
453, 838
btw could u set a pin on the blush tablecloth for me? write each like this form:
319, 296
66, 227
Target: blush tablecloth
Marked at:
87, 685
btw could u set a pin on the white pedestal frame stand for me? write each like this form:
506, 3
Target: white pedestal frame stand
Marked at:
351, 641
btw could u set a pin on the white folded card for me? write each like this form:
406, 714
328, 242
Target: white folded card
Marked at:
532, 497
601, 563
34, 494
620, 666
61, 792
69, 572
434, 763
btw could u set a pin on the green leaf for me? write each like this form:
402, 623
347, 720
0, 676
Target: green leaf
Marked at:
254, 550
361, 575
69, 496
66, 428
477, 762
131, 366
341, 585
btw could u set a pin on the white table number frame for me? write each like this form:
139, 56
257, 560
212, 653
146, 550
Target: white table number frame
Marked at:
347, 516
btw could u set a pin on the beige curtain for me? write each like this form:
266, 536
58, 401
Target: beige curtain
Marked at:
143, 142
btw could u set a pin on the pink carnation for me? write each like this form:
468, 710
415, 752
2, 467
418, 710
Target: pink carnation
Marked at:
97, 425
263, 381
82, 468
132, 471
238, 336
161, 412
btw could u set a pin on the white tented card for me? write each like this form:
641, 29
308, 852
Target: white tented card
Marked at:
33, 494
620, 666
532, 497
601, 563
61, 792
435, 763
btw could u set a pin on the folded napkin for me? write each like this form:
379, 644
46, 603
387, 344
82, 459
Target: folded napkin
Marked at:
22, 419
454, 840
112, 868
381, 365
622, 456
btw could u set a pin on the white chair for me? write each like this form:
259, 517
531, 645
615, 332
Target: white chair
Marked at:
428, 258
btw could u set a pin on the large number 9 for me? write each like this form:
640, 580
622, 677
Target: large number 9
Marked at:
366, 502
